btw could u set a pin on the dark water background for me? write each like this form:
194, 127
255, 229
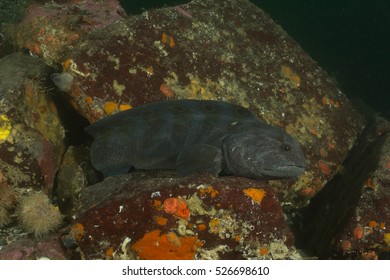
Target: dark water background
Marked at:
350, 39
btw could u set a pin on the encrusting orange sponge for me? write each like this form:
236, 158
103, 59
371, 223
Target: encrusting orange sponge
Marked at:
156, 246
177, 207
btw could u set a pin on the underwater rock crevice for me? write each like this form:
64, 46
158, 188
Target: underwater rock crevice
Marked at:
328, 213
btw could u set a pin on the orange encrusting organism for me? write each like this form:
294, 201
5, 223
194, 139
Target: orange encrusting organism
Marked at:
287, 73
89, 100
167, 39
307, 192
171, 42
110, 252
263, 251
256, 195
167, 90
67, 64
161, 220
124, 107
174, 239
371, 183
177, 207
164, 38
346, 245
327, 101
209, 190
372, 224
157, 205
156, 246
324, 167
77, 231
182, 209
202, 227
110, 107
358, 232
170, 205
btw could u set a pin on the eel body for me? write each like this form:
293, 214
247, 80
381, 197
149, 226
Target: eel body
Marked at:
194, 136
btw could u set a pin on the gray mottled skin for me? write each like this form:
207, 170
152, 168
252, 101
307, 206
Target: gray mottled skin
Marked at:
194, 136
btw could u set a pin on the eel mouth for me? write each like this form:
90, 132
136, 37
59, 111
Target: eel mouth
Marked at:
280, 172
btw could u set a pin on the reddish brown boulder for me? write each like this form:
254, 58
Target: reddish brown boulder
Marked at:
145, 216
31, 134
29, 249
31, 145
48, 29
367, 233
75, 173
230, 51
350, 217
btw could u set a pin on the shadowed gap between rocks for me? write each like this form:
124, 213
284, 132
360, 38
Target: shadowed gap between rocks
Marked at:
328, 212
73, 122
75, 138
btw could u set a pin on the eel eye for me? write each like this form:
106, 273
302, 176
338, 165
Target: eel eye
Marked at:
285, 147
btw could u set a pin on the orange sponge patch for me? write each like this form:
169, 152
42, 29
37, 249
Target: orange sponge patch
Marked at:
177, 207
156, 246
257, 195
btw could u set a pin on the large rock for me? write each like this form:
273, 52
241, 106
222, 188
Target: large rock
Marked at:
48, 29
31, 146
30, 249
149, 216
31, 133
75, 173
231, 51
228, 51
350, 217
